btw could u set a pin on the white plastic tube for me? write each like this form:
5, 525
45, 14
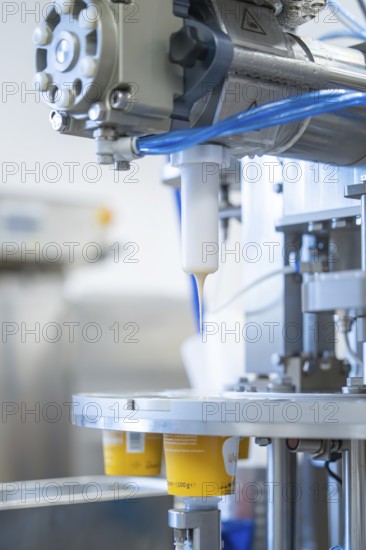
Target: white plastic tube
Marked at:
201, 169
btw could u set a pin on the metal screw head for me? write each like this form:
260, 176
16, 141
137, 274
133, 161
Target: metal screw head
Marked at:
59, 121
120, 99
122, 166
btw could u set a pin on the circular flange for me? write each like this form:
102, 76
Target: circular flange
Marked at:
70, 45
319, 416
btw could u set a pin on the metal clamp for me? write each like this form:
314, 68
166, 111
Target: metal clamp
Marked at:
200, 527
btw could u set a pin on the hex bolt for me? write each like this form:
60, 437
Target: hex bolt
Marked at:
120, 100
59, 121
122, 166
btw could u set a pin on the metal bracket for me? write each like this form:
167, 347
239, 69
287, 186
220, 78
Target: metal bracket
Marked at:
332, 291
355, 191
204, 525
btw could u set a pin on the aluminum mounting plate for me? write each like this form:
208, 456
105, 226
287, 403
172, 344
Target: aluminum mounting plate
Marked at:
326, 416
335, 290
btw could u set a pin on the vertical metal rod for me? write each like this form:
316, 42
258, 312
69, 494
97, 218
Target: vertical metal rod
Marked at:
281, 478
363, 264
335, 512
354, 486
363, 232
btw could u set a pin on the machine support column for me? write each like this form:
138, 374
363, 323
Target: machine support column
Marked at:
358, 191
281, 478
354, 486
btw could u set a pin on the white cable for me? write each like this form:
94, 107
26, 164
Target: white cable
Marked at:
283, 271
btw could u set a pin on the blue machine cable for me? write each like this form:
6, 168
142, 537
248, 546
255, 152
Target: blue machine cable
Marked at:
347, 18
195, 296
272, 114
342, 34
355, 29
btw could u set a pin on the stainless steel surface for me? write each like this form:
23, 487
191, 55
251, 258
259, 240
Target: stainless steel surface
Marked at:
137, 524
78, 490
281, 480
324, 215
299, 72
335, 508
312, 509
354, 485
320, 416
302, 68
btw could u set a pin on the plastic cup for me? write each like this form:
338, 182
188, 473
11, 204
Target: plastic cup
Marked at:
201, 466
132, 453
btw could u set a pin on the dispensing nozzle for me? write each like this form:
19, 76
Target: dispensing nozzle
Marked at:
201, 169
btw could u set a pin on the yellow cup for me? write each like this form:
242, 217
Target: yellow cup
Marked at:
132, 453
244, 448
200, 466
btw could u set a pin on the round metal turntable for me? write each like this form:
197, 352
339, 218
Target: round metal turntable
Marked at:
329, 416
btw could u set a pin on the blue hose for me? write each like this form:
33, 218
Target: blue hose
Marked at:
272, 114
195, 296
347, 18
342, 34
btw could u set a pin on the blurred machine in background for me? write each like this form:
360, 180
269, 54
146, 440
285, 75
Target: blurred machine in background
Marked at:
57, 261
